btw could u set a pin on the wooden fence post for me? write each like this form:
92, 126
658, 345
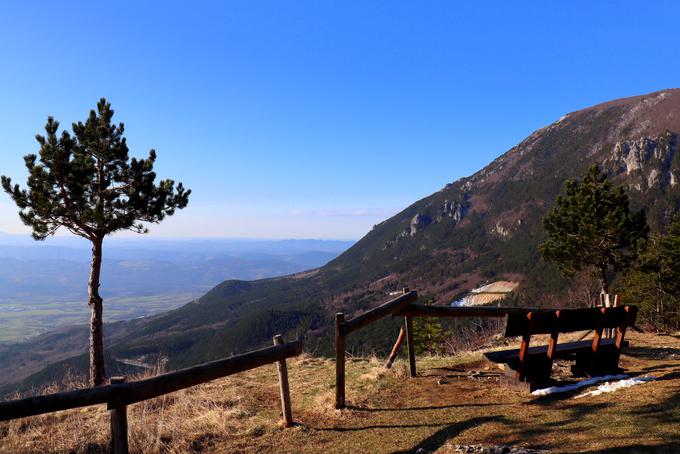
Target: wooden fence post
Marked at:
283, 386
408, 322
339, 361
396, 348
119, 426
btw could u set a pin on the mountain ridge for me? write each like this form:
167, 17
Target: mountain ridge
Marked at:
481, 227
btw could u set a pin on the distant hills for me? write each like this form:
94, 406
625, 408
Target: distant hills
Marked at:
44, 285
479, 228
59, 266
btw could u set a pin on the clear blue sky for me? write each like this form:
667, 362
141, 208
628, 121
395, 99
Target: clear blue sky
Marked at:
319, 119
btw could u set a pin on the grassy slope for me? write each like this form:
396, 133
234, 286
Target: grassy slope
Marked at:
388, 412
441, 261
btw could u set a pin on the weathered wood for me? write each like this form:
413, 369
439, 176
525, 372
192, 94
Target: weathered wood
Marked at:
523, 353
339, 360
136, 391
597, 339
381, 311
599, 356
572, 320
408, 323
284, 387
562, 351
422, 310
552, 345
119, 426
396, 348
49, 403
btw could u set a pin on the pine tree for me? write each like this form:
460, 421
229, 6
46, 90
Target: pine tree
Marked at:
86, 183
429, 335
654, 283
591, 227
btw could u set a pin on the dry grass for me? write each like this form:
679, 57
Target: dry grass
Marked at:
387, 412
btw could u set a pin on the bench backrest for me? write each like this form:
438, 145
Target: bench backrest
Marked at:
569, 320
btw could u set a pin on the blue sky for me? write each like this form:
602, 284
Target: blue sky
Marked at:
319, 119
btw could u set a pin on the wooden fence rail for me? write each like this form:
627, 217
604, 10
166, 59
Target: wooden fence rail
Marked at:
422, 310
402, 306
120, 393
343, 328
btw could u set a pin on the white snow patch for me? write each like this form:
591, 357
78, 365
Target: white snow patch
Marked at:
613, 386
577, 385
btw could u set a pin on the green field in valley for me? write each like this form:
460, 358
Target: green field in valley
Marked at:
20, 320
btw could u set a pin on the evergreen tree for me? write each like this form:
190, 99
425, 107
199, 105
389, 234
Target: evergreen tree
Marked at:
86, 183
591, 227
429, 335
654, 283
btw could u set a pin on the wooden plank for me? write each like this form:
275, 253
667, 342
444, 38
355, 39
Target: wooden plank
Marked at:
396, 348
615, 317
422, 310
284, 389
631, 312
561, 350
339, 360
119, 425
38, 405
517, 324
580, 319
381, 311
552, 345
542, 322
137, 391
523, 350
408, 322
597, 339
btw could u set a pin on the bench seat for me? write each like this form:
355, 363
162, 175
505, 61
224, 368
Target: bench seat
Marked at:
530, 366
562, 351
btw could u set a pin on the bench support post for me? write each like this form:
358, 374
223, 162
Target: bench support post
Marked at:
119, 426
284, 387
408, 322
339, 360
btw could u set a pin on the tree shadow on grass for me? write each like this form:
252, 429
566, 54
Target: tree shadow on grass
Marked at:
432, 407
437, 439
452, 428
652, 352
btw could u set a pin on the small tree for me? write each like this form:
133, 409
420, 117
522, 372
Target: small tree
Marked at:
654, 282
591, 227
86, 183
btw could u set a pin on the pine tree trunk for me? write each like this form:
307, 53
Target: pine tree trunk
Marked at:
97, 375
604, 285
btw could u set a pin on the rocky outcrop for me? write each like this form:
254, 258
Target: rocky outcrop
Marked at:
645, 161
419, 222
454, 210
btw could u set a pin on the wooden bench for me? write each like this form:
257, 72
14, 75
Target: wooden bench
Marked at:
528, 368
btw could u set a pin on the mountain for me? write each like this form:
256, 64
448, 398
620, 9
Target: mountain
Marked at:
479, 228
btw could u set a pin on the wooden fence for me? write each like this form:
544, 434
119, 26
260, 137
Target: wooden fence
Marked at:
401, 306
344, 327
119, 394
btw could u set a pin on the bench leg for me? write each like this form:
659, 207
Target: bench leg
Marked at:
596, 364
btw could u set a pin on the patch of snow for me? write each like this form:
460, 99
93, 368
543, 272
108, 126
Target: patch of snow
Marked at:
614, 386
577, 385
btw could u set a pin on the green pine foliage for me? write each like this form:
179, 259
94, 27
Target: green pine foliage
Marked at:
591, 227
429, 335
654, 283
86, 183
